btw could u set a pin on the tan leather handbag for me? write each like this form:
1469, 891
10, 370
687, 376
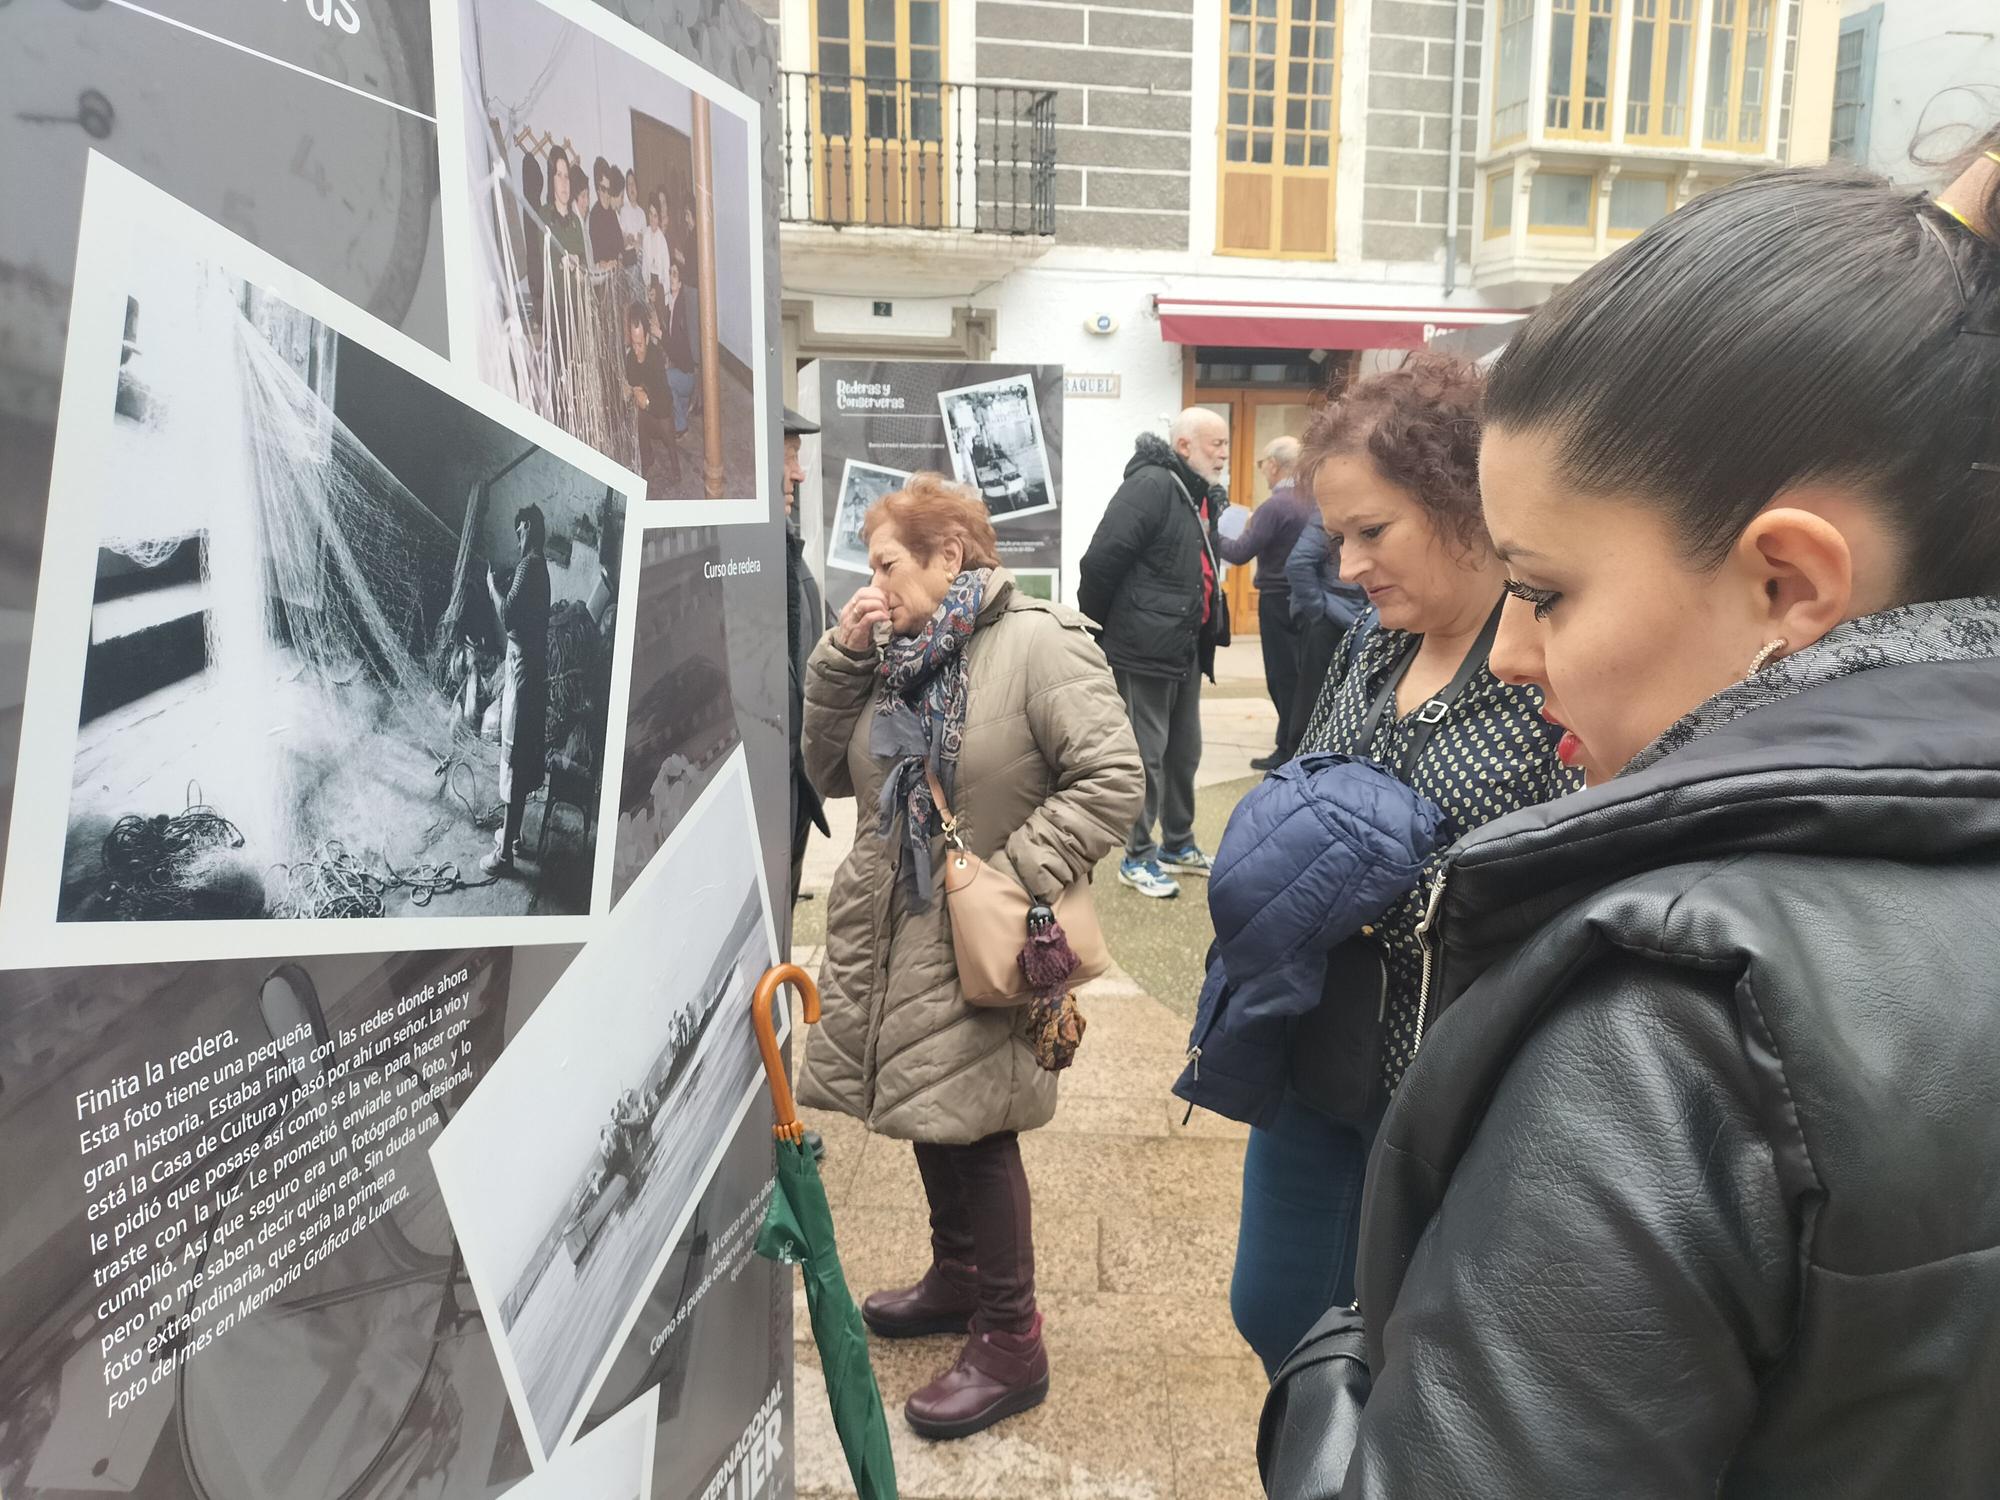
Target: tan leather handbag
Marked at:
989, 921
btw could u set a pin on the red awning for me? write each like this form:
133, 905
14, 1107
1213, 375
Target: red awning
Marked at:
1305, 325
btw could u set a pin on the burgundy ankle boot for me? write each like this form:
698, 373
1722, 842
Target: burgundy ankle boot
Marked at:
942, 1302
996, 1375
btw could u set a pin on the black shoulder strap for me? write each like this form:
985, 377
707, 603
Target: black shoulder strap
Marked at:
1433, 711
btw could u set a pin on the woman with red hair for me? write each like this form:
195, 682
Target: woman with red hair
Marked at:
942, 667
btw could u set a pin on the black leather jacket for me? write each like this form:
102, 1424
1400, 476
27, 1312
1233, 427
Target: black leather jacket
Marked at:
1141, 579
1694, 1189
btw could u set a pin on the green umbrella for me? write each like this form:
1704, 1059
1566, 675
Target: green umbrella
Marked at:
798, 1230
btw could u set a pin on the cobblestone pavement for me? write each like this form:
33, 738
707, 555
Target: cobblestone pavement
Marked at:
1153, 1396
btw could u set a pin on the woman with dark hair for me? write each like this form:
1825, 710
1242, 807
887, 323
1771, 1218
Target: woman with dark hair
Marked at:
1695, 1188
560, 214
941, 667
1393, 464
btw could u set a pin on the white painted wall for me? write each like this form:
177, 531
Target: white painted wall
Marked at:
1926, 48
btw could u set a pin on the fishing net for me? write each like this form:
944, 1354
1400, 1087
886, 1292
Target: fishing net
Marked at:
554, 335
332, 600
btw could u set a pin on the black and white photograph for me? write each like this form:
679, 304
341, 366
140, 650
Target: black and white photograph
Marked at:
572, 1169
861, 485
994, 433
704, 670
342, 646
608, 210
613, 1461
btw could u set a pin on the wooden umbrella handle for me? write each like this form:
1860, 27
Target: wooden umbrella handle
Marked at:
763, 1019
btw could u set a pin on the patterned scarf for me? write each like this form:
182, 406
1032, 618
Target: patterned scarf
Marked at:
1915, 635
920, 721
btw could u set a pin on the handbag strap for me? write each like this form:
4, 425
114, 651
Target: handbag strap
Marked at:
947, 820
1432, 712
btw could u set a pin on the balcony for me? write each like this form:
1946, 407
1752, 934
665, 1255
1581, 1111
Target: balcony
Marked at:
914, 183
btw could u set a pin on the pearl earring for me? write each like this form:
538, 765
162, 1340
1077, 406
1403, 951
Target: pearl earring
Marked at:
1764, 658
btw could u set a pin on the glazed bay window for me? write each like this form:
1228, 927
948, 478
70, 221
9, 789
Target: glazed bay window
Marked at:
1637, 202
1561, 203
1581, 38
1739, 74
1280, 79
1656, 107
1499, 204
1511, 70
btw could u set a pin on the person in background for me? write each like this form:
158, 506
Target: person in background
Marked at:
1393, 463
1272, 531
1324, 609
607, 240
564, 226
683, 335
652, 400
655, 255
631, 216
1008, 703
1695, 1188
1150, 580
534, 254
805, 620
523, 615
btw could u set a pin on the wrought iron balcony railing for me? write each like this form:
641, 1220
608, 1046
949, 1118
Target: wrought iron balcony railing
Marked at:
914, 154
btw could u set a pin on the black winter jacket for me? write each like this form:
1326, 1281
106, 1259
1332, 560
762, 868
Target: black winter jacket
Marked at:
1141, 579
1695, 1187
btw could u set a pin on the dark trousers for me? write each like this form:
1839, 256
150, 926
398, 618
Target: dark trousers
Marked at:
517, 814
1319, 643
656, 443
1166, 721
981, 1216
1280, 639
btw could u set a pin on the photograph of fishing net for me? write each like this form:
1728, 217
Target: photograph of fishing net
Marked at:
616, 242
296, 692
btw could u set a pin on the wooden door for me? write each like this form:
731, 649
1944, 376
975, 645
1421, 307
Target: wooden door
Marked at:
879, 115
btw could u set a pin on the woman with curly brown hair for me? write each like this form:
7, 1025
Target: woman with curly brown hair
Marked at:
1394, 467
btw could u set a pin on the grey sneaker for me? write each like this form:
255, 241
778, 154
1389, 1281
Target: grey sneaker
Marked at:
1147, 878
1187, 861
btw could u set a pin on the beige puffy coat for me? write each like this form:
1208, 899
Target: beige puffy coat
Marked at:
1049, 782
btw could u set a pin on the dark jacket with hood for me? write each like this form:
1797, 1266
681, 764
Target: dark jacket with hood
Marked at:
1694, 1189
1142, 579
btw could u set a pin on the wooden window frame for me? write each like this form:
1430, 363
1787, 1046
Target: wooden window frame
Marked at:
1585, 14
1523, 21
1586, 230
1499, 185
1655, 99
1740, 31
1611, 230
857, 100
1276, 171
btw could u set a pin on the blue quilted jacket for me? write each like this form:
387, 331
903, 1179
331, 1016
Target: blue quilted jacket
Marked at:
1315, 852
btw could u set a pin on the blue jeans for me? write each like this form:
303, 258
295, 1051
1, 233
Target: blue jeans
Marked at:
1301, 1227
680, 384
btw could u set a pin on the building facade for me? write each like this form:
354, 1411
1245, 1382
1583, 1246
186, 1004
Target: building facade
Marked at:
1894, 107
1230, 202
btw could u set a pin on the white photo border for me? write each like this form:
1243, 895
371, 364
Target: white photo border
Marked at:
635, 1425
123, 216
1024, 381
461, 260
849, 468
733, 781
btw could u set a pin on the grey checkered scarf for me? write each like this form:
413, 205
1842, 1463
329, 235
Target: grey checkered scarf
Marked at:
1914, 635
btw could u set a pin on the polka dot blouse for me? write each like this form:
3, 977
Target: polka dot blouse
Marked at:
1492, 754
